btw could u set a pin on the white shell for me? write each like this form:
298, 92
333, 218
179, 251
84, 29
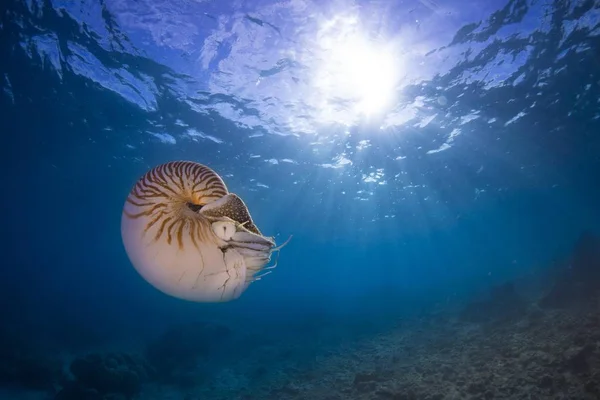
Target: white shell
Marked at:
180, 251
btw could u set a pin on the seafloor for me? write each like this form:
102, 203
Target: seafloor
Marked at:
507, 345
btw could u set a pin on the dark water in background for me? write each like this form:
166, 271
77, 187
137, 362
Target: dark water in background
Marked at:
501, 203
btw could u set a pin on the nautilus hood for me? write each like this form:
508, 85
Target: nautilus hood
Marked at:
233, 207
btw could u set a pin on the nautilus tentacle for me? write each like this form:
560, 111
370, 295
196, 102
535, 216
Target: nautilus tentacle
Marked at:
189, 237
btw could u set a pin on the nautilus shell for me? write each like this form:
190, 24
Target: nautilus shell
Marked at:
189, 237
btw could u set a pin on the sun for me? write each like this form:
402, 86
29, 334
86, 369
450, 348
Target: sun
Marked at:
356, 70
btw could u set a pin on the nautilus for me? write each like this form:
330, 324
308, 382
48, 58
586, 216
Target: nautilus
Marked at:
190, 238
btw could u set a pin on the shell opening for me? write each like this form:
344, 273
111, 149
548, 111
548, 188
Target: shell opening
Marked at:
194, 207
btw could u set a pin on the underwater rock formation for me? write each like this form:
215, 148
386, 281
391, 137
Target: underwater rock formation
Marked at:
177, 352
103, 376
579, 280
503, 303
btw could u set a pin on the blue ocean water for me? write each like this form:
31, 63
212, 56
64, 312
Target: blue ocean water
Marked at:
436, 164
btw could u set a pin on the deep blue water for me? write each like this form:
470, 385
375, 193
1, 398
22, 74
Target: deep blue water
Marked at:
482, 168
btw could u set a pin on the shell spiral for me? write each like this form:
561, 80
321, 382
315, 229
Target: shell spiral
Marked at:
189, 237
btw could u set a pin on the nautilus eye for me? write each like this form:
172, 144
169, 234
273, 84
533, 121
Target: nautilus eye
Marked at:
189, 237
224, 229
